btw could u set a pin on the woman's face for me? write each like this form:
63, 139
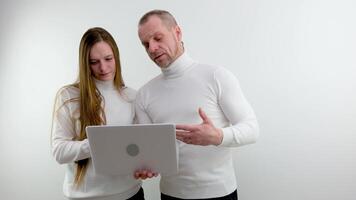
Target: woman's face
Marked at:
102, 61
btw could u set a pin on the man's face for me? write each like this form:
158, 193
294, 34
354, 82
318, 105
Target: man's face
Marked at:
162, 44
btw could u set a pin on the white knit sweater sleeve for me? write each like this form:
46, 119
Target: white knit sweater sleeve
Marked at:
64, 148
141, 116
244, 127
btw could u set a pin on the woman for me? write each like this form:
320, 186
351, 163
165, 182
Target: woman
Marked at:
99, 97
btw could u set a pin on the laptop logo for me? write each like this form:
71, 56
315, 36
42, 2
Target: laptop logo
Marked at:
132, 150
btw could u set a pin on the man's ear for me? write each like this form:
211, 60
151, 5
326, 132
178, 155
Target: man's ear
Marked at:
178, 32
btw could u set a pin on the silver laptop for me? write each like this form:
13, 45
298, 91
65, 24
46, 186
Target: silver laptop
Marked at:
121, 150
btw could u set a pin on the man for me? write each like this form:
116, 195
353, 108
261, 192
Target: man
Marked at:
205, 161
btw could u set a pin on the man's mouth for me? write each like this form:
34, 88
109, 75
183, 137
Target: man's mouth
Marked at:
157, 57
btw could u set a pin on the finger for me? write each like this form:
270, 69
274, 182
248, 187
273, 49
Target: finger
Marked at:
180, 138
143, 176
137, 175
183, 139
188, 141
204, 117
149, 175
183, 133
186, 127
184, 136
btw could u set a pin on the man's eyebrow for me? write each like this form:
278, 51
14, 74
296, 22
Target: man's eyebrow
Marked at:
158, 34
144, 43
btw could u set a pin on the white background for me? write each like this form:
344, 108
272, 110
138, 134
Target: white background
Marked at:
295, 59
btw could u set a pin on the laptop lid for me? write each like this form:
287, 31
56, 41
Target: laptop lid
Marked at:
121, 150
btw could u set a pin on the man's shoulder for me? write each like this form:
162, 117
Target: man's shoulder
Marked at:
209, 69
151, 84
206, 66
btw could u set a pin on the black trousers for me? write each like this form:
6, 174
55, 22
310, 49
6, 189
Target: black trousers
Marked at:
138, 196
232, 196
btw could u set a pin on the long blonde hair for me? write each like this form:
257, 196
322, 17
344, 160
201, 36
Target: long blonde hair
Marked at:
90, 100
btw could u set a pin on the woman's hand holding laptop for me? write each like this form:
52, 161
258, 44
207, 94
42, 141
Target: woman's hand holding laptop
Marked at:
144, 174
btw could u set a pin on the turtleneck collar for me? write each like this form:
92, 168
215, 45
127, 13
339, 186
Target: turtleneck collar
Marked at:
104, 85
178, 67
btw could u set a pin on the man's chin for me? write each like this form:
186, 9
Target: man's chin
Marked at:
162, 64
161, 61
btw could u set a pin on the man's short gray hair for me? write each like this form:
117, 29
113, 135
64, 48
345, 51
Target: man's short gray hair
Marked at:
166, 17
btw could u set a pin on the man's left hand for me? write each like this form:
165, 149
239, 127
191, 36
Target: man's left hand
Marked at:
200, 134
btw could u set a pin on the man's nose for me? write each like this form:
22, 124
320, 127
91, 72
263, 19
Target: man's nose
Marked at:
152, 47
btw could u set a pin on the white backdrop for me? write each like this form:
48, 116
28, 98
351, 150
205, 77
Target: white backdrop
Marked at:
296, 62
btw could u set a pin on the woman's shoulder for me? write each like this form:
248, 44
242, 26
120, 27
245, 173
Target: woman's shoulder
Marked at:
129, 93
68, 92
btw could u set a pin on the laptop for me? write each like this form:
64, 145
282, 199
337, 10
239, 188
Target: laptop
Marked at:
121, 150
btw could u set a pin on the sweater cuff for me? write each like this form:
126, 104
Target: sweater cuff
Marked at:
86, 148
228, 136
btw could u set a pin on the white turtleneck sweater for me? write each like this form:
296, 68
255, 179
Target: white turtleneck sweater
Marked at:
118, 110
174, 97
